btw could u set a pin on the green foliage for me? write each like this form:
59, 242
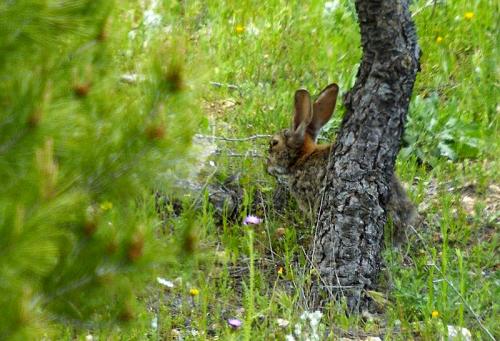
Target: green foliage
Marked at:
91, 122
98, 107
431, 136
261, 53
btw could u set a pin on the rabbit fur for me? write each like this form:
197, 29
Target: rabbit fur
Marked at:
294, 158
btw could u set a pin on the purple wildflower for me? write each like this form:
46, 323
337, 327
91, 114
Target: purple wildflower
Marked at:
252, 220
234, 323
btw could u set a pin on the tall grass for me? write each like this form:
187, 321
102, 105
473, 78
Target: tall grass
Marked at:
259, 54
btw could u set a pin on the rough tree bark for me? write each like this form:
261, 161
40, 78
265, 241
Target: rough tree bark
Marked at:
346, 250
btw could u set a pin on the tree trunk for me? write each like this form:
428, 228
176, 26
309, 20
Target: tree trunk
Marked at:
346, 249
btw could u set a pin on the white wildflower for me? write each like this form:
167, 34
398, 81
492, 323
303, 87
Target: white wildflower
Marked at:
165, 282
330, 6
151, 18
131, 78
167, 29
315, 318
311, 324
298, 330
459, 333
154, 323
253, 30
132, 34
282, 323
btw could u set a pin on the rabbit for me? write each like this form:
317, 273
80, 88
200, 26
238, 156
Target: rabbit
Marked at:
294, 158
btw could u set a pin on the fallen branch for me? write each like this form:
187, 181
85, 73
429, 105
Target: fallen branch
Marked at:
232, 139
229, 86
232, 154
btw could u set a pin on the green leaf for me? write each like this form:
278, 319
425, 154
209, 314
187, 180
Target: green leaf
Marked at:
447, 151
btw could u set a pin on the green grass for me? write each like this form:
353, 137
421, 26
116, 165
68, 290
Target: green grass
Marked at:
270, 49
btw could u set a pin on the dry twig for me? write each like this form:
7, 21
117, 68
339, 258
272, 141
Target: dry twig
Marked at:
232, 139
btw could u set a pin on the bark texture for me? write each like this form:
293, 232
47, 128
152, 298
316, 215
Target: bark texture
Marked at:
348, 241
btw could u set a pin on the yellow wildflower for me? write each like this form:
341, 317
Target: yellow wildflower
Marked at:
469, 15
106, 205
435, 314
194, 292
439, 39
280, 270
240, 28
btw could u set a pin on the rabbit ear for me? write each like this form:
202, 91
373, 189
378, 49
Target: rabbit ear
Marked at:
302, 117
323, 109
303, 109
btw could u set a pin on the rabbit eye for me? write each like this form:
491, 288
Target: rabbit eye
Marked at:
274, 142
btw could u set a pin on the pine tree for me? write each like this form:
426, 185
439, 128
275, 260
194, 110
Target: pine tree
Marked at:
95, 114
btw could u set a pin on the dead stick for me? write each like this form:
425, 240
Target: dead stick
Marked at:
232, 139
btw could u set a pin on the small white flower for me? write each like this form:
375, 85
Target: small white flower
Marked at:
253, 30
298, 330
154, 323
315, 318
89, 337
165, 282
330, 6
132, 34
458, 333
282, 323
151, 18
305, 315
129, 78
167, 29
289, 338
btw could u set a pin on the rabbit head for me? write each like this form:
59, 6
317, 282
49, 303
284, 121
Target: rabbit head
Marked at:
290, 147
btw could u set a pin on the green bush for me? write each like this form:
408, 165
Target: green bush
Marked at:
94, 116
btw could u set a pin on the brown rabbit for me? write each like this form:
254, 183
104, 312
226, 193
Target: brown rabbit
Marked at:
295, 158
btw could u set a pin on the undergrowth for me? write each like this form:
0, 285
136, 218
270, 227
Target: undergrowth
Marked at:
249, 59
